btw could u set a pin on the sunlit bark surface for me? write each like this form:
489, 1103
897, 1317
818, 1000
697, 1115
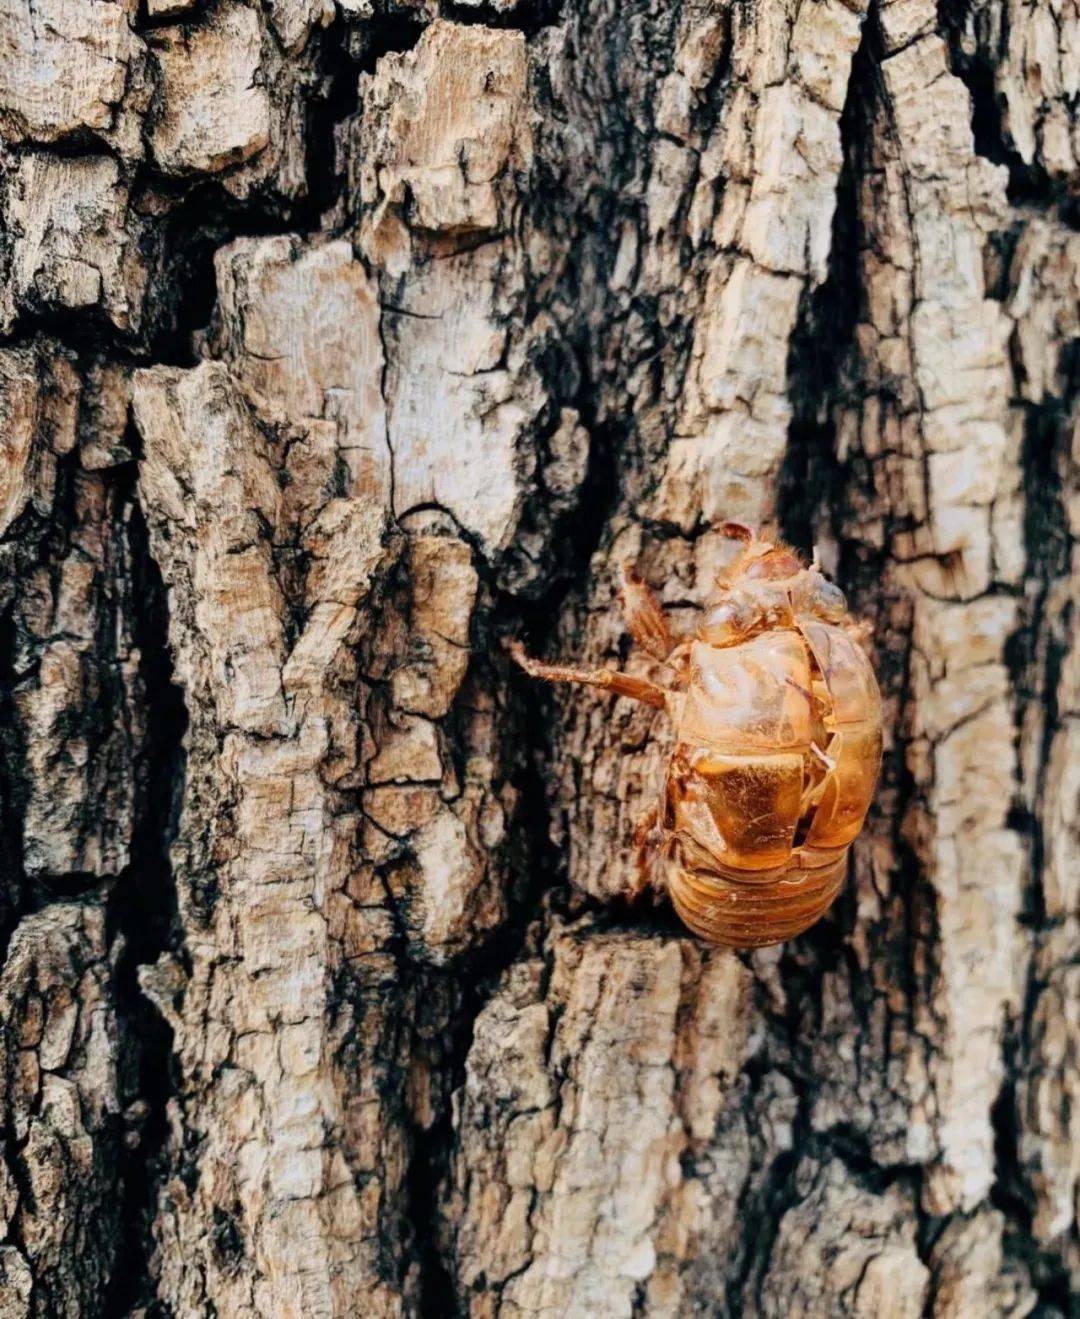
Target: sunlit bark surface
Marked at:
343, 342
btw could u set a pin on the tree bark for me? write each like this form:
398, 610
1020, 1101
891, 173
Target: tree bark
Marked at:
344, 343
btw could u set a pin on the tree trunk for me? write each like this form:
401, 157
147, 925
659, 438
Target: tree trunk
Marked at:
345, 344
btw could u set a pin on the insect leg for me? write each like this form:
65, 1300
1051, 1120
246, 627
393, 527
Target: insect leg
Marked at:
644, 617
623, 684
648, 836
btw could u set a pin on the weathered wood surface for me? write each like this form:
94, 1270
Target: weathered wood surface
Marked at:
345, 341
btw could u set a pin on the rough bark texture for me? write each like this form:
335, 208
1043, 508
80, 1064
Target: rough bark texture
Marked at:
345, 341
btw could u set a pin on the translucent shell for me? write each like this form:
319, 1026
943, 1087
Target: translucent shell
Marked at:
855, 723
722, 908
749, 698
779, 747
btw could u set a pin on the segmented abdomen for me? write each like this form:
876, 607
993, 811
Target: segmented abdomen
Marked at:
778, 753
751, 909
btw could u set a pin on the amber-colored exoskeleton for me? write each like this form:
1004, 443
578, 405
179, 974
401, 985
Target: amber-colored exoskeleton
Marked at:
778, 728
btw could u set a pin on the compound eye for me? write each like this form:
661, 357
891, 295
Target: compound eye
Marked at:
828, 601
729, 621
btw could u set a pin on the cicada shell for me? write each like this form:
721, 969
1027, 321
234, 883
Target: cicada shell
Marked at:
778, 729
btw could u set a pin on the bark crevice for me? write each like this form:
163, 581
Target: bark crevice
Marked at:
144, 916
